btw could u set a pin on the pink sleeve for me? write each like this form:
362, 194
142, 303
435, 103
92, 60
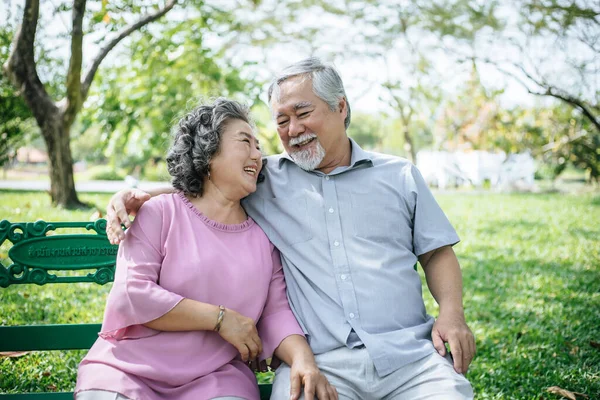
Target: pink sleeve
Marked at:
277, 320
136, 297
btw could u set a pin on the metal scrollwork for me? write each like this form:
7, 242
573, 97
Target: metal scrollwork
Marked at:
4, 277
100, 227
40, 276
38, 228
15, 236
103, 275
4, 228
17, 273
36, 255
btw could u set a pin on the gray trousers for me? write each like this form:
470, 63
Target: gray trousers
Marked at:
353, 374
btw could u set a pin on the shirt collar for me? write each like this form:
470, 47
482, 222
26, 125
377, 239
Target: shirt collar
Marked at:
359, 156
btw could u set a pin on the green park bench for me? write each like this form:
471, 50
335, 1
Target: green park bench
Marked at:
40, 255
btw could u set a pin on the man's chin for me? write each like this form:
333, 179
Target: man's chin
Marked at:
306, 164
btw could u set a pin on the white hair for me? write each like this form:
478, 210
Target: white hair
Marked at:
326, 82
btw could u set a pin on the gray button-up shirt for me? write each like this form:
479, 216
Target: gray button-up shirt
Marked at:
349, 241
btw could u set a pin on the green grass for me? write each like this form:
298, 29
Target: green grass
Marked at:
531, 267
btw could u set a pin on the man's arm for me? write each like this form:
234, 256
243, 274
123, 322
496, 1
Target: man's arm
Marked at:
124, 203
444, 280
295, 352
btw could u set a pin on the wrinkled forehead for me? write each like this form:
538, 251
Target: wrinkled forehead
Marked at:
287, 87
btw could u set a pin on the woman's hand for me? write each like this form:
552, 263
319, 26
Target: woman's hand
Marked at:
241, 332
306, 373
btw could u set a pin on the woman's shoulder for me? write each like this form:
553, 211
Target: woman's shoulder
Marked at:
158, 206
162, 202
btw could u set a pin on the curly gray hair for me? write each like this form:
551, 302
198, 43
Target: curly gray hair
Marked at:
197, 140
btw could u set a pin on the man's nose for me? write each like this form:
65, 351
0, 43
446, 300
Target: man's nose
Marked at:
296, 128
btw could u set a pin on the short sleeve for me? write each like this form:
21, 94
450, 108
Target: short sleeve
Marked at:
277, 320
431, 228
136, 297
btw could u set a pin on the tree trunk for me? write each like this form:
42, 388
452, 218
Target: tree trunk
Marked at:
408, 145
62, 186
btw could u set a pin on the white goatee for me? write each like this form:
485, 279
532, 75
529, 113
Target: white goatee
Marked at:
307, 159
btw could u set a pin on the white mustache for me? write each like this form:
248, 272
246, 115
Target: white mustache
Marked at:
300, 139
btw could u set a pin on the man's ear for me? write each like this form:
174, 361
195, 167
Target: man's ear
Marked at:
343, 107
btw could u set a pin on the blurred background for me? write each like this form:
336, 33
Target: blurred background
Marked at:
497, 102
477, 93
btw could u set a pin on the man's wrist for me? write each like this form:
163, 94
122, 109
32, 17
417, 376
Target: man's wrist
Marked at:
453, 311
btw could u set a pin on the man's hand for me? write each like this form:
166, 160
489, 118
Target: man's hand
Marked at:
454, 331
305, 373
124, 203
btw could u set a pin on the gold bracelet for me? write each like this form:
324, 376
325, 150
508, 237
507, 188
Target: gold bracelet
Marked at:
220, 318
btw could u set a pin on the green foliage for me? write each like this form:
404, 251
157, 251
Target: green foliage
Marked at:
267, 132
105, 173
557, 136
133, 106
461, 19
156, 171
531, 269
467, 118
366, 129
14, 113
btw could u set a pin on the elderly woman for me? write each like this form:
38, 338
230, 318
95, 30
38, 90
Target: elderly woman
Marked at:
199, 289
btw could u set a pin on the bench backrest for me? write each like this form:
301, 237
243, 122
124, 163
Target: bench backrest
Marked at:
40, 255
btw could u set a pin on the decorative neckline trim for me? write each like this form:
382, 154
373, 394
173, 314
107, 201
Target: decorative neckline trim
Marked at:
247, 224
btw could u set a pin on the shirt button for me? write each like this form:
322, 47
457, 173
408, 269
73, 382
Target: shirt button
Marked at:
343, 277
351, 315
330, 210
326, 177
336, 243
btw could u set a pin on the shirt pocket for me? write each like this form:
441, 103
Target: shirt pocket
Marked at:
290, 224
379, 218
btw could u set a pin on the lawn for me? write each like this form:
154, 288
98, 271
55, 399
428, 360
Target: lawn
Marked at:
531, 266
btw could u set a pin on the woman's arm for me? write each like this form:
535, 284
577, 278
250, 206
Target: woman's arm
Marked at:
191, 315
187, 315
137, 298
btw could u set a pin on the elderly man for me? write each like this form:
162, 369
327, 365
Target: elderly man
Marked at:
350, 225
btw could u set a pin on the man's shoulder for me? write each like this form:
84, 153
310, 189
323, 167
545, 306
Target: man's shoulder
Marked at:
388, 160
272, 162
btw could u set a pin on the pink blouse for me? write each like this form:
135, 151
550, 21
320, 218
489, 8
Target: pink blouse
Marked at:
172, 252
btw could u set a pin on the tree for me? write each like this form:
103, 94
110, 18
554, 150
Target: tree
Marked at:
550, 47
574, 28
164, 71
134, 105
55, 118
13, 109
406, 36
366, 129
467, 119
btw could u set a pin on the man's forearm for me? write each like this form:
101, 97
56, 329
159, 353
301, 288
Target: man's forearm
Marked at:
294, 347
162, 190
444, 279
